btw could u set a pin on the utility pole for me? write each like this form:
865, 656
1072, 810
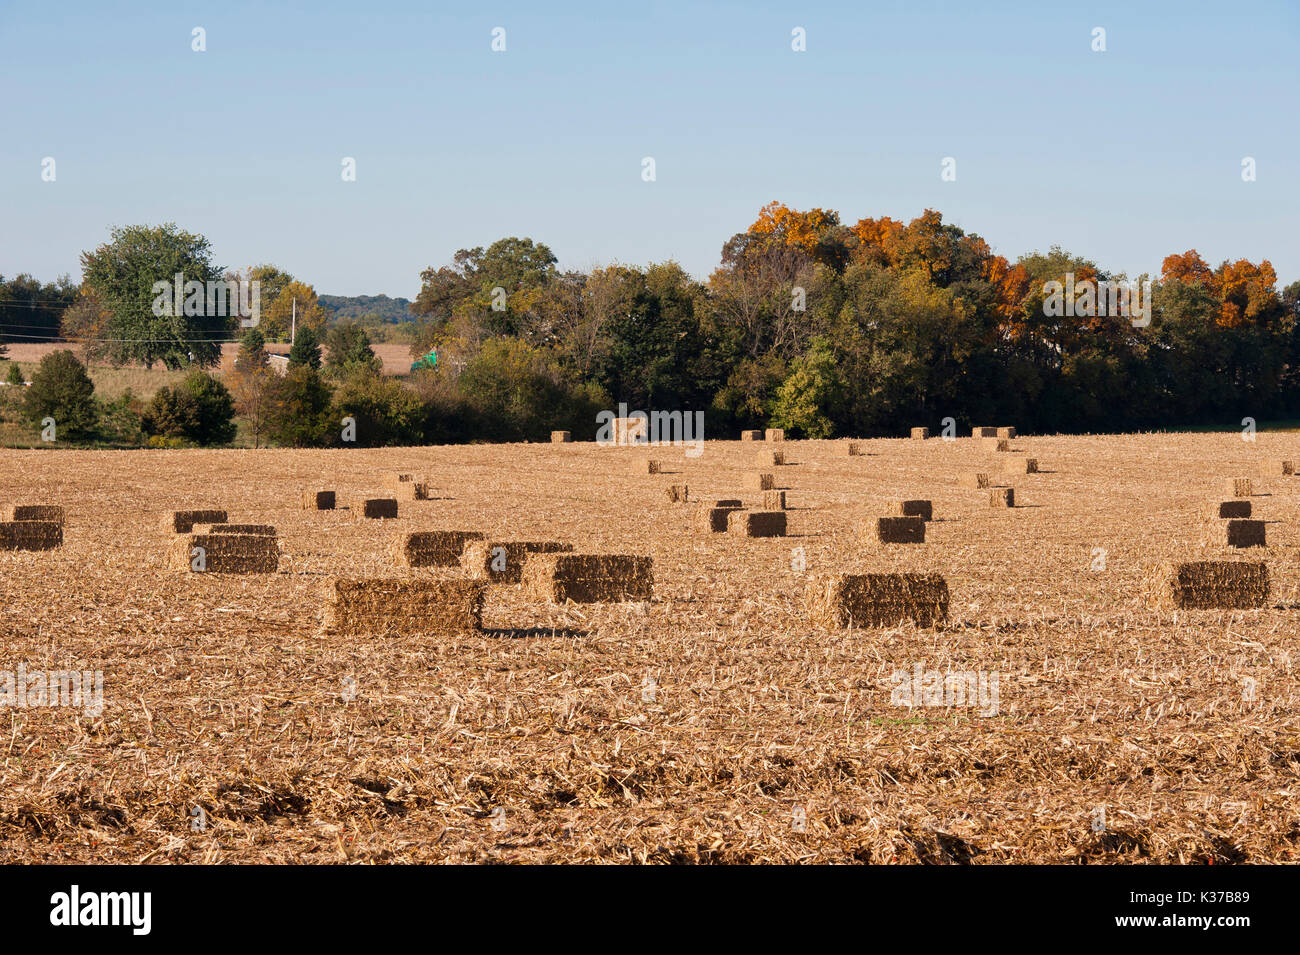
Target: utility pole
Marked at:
293, 328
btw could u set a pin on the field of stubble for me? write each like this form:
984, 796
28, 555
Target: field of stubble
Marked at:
713, 724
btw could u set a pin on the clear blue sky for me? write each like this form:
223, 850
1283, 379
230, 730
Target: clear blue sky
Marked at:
1123, 156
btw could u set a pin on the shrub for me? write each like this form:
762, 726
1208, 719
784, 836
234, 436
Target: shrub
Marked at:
199, 409
349, 348
61, 390
300, 410
386, 411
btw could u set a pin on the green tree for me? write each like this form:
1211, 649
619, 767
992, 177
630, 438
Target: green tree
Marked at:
300, 409
385, 410
348, 348
132, 278
61, 389
199, 409
306, 349
810, 394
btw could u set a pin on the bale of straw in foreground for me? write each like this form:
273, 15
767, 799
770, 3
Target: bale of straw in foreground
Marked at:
502, 562
759, 481
1238, 487
403, 606
900, 530
263, 530
920, 434
774, 434
1276, 467
766, 458
432, 548
32, 512
751, 436
678, 493
756, 523
30, 535
878, 600
975, 479
1020, 465
1006, 432
377, 508
984, 432
589, 578
713, 520
225, 554
1244, 533
774, 500
1230, 509
182, 522
1210, 585
561, 437
922, 509
1002, 497
317, 500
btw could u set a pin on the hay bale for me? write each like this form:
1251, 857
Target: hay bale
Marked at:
751, 436
1020, 465
900, 530
713, 520
678, 493
262, 530
561, 437
1006, 433
377, 508
1002, 497
774, 434
922, 509
878, 600
30, 535
182, 522
432, 548
759, 481
32, 512
318, 500
1243, 533
502, 562
403, 606
1238, 487
920, 434
1211, 585
1276, 467
631, 430
729, 502
995, 444
225, 554
647, 467
756, 523
767, 458
407, 487
975, 479
855, 450
984, 432
1230, 509
589, 578
774, 500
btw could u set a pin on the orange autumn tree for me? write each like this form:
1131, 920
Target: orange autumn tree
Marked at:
1246, 292
778, 223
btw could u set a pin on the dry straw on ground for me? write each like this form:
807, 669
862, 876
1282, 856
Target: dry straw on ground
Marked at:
502, 562
403, 607
589, 578
432, 548
30, 535
877, 600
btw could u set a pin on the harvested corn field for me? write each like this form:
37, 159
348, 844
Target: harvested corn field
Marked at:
343, 708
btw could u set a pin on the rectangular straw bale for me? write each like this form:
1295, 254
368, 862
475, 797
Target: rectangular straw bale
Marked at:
751, 436
922, 509
377, 508
984, 432
900, 530
766, 458
995, 444
1238, 487
1276, 467
432, 548
759, 481
678, 493
774, 434
226, 554
854, 449
1211, 585
315, 500
561, 437
410, 490
1230, 509
30, 535
404, 606
32, 512
182, 522
756, 523
920, 434
878, 600
1020, 465
1002, 497
1243, 533
774, 500
1006, 432
589, 578
264, 530
977, 480
647, 467
729, 502
631, 430
502, 562
713, 520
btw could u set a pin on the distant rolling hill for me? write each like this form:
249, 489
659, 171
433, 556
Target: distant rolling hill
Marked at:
392, 310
